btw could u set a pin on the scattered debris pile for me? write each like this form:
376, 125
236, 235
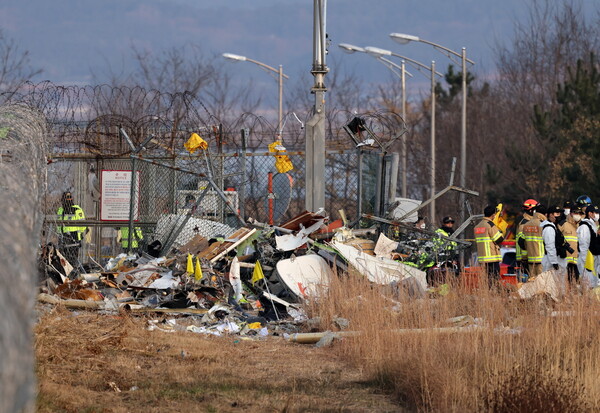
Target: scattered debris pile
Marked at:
253, 282
255, 277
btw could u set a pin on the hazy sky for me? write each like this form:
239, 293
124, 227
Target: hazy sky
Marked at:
69, 39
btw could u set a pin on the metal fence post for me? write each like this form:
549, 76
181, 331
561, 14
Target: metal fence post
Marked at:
242, 189
132, 195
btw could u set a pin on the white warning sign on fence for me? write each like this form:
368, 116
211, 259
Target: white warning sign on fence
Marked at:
115, 187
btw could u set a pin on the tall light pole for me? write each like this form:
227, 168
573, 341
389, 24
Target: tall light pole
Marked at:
280, 77
432, 145
406, 38
315, 127
379, 53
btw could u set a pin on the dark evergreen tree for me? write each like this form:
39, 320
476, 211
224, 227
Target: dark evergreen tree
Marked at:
570, 134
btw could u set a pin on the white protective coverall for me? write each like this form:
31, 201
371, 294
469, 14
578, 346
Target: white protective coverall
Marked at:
583, 239
551, 256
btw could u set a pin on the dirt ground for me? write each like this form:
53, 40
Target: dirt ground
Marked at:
88, 362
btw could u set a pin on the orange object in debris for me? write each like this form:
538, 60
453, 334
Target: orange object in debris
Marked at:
509, 279
471, 277
338, 223
505, 277
77, 290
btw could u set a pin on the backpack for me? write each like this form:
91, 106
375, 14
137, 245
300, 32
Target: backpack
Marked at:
559, 241
594, 240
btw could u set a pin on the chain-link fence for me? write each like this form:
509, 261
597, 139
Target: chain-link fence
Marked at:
169, 205
99, 135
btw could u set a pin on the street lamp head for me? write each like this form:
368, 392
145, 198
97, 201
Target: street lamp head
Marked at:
234, 57
349, 48
404, 38
377, 52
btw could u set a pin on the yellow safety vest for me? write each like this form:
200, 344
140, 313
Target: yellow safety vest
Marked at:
137, 235
78, 215
441, 243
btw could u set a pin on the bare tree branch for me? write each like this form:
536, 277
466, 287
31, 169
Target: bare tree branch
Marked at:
15, 68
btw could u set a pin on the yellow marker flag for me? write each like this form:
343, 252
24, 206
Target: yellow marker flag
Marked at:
258, 274
195, 142
190, 265
198, 272
283, 163
499, 221
276, 147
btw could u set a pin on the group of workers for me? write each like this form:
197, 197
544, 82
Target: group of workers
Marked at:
71, 235
547, 238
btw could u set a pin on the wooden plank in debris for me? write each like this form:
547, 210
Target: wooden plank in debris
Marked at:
70, 303
312, 338
196, 244
143, 310
216, 250
306, 219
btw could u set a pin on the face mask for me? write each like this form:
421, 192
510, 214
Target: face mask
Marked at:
422, 226
567, 211
596, 217
576, 218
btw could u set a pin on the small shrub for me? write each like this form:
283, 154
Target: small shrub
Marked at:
531, 388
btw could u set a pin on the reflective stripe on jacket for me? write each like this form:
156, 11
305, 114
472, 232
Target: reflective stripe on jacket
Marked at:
441, 243
78, 215
137, 235
488, 236
569, 230
521, 253
533, 239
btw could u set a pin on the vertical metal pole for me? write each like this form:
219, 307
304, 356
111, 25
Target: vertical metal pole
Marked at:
242, 188
404, 155
221, 181
98, 230
280, 118
315, 127
173, 173
392, 161
379, 186
360, 184
463, 146
463, 130
270, 196
432, 142
132, 196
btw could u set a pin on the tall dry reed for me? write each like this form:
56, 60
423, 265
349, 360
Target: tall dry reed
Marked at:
522, 356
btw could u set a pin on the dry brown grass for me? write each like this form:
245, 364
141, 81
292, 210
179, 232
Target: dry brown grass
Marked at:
84, 359
550, 366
